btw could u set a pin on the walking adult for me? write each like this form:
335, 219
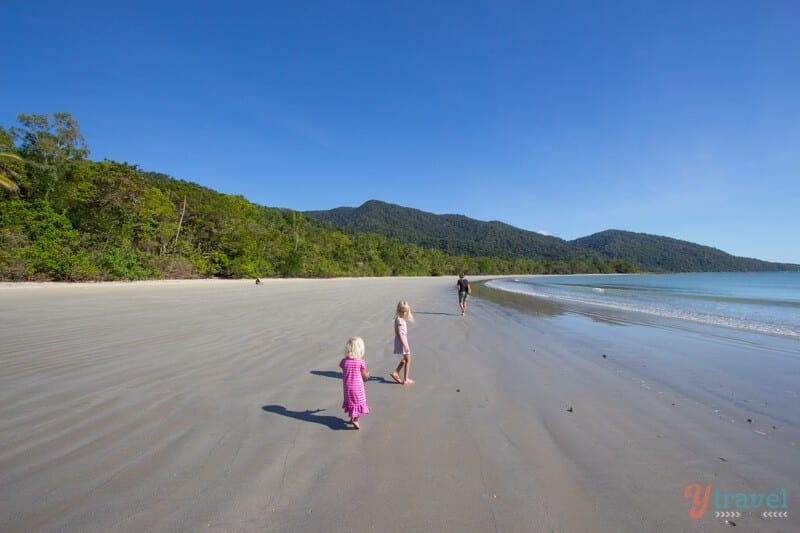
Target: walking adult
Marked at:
464, 289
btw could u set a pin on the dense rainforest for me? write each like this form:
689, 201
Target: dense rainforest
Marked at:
64, 217
455, 234
460, 234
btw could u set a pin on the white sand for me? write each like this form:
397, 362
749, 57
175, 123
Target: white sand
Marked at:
216, 406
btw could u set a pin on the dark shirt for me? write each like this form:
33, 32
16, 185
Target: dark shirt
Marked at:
463, 284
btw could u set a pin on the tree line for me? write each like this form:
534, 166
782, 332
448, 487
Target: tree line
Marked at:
65, 217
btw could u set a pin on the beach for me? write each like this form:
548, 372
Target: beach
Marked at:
215, 405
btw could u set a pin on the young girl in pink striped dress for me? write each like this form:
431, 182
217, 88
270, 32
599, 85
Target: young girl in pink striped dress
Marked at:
354, 374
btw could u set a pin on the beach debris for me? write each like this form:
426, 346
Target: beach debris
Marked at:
750, 420
605, 356
774, 427
730, 523
723, 459
569, 410
759, 432
673, 403
458, 390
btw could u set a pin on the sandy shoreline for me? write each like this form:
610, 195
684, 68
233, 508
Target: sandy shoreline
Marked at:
213, 405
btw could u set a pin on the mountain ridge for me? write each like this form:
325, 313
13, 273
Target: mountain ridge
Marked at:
64, 217
450, 233
459, 234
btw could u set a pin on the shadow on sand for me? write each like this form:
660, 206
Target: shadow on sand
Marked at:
327, 373
332, 422
338, 375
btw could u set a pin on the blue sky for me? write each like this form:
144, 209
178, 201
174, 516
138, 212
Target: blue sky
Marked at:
671, 118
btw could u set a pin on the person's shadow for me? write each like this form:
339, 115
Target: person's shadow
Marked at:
327, 373
332, 422
338, 375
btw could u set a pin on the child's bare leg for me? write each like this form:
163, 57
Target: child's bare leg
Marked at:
396, 373
407, 369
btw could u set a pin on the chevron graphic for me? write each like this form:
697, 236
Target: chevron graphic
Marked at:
728, 514
775, 514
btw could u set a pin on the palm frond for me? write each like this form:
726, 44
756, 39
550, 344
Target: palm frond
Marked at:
7, 184
7, 173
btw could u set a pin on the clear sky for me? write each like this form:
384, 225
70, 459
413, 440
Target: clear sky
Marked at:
566, 117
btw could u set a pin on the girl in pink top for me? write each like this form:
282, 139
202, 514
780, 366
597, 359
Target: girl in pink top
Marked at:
354, 374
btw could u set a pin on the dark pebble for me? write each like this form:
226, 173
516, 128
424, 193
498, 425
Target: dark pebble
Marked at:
569, 410
605, 356
458, 390
749, 419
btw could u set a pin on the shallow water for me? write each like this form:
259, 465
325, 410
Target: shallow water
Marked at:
765, 303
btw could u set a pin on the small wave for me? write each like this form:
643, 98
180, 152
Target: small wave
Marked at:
661, 311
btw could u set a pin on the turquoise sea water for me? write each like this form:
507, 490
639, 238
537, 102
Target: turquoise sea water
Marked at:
760, 302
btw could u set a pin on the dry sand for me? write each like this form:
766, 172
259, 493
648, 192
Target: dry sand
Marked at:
216, 406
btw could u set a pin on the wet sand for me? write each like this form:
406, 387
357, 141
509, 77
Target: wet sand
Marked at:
216, 406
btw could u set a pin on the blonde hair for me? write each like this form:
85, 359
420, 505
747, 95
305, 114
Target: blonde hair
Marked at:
403, 307
354, 349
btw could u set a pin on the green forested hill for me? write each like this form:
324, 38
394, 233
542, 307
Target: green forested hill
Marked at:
64, 217
654, 253
469, 236
455, 234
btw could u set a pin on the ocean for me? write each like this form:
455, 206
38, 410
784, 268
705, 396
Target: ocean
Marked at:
729, 341
766, 303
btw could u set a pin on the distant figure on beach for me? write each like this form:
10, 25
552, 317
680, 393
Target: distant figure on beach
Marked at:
258, 281
354, 374
464, 289
401, 319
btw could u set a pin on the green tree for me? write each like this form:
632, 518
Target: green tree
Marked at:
12, 166
10, 171
48, 142
49, 137
38, 243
